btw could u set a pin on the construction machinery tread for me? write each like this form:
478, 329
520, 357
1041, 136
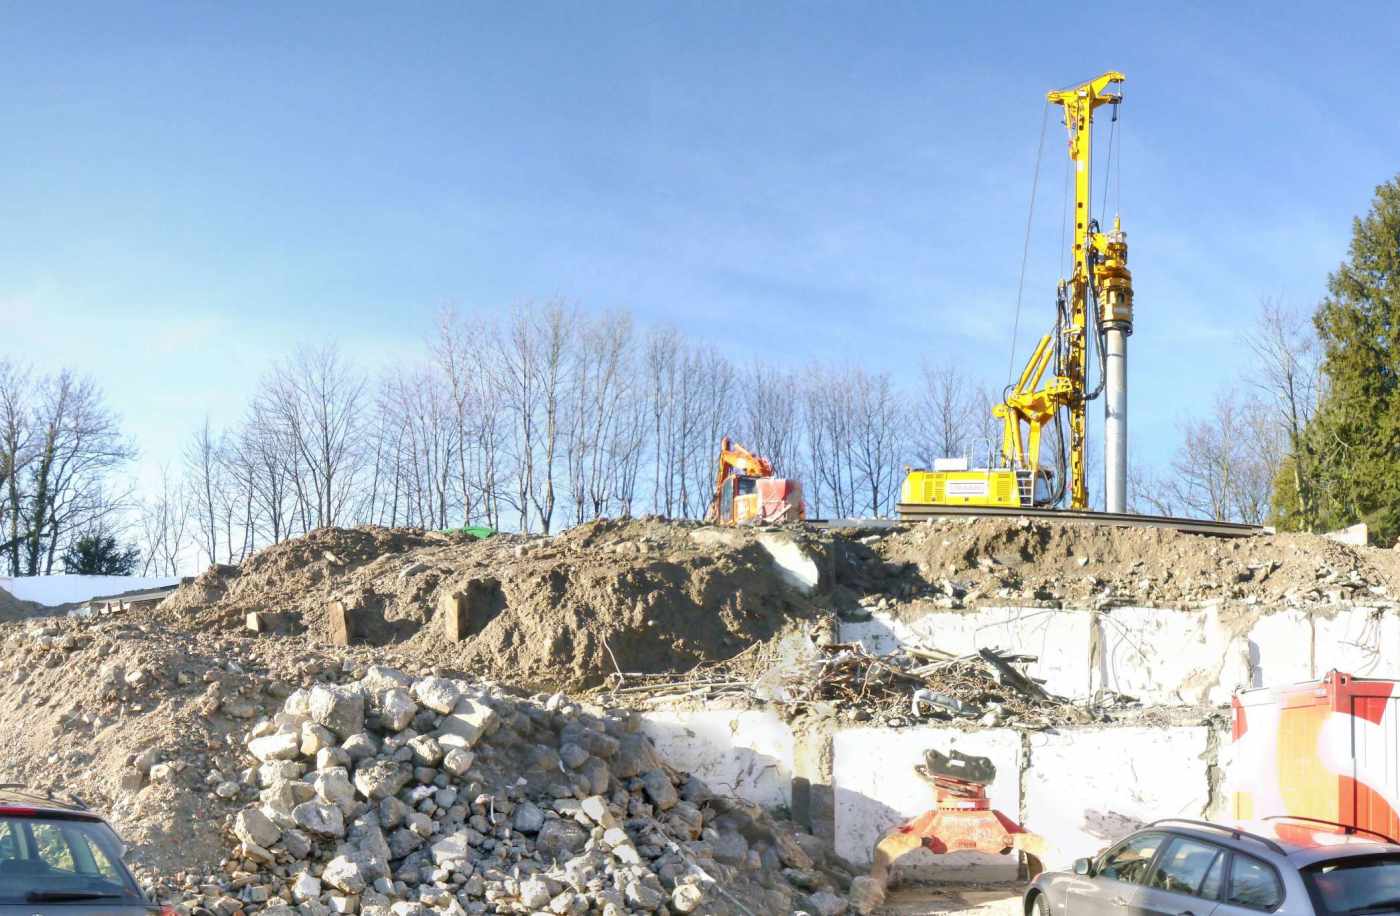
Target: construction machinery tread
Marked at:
917, 513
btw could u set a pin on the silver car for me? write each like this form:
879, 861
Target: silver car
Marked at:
1288, 866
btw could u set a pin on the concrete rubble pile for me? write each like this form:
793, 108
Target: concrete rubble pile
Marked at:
394, 795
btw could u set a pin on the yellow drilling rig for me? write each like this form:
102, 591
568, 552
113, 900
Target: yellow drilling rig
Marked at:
1096, 300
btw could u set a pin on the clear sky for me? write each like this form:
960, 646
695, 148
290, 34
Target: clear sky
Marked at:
190, 189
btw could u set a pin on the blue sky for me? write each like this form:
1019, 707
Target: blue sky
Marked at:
191, 189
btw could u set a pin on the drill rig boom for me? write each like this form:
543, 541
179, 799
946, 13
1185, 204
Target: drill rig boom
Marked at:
1097, 299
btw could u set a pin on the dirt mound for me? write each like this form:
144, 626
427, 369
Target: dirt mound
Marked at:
540, 612
154, 728
994, 561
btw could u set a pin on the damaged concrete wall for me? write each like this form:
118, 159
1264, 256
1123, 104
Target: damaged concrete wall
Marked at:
1086, 787
746, 753
1078, 787
877, 789
1160, 656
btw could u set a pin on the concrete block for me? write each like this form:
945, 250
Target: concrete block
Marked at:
1353, 535
266, 622
466, 612
745, 753
1281, 647
1059, 639
1358, 640
343, 626
796, 563
1087, 787
877, 789
1161, 655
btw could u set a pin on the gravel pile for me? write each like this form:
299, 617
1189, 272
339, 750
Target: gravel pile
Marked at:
403, 796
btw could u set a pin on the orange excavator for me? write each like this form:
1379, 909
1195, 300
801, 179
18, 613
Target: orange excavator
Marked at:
747, 493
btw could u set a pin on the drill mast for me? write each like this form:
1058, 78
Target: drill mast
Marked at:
1100, 271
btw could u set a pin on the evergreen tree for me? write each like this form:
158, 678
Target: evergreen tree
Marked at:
1355, 436
99, 554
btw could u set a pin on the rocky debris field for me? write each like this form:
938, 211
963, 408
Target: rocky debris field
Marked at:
394, 794
962, 563
279, 735
247, 780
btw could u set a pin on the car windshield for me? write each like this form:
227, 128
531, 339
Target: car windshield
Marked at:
43, 859
1356, 885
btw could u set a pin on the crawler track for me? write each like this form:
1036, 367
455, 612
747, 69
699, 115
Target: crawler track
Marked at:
915, 513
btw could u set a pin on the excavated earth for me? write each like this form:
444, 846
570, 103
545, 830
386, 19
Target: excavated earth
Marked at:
147, 714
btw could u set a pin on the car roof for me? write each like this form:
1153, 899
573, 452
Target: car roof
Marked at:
20, 800
1299, 840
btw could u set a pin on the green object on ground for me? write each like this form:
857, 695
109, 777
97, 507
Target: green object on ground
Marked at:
480, 532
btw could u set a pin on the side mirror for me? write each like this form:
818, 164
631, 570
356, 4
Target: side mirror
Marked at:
1083, 867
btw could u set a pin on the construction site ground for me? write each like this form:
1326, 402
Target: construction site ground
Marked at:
148, 714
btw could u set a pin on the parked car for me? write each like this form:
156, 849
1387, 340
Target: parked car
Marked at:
1287, 866
57, 858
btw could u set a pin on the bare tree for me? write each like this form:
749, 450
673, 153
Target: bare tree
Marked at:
944, 418
877, 439
828, 423
662, 361
163, 523
204, 473
17, 451
1287, 374
317, 402
1225, 466
78, 444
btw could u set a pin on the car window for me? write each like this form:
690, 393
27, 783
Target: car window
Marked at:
1130, 859
1185, 865
52, 847
8, 849
1253, 884
1215, 879
1357, 884
60, 856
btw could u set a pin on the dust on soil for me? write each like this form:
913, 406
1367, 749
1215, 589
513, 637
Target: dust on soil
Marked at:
980, 562
569, 610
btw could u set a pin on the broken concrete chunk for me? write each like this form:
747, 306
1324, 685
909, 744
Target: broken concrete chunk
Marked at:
452, 849
285, 746
344, 874
340, 709
320, 819
380, 779
795, 563
457, 761
397, 709
659, 789
252, 826
438, 694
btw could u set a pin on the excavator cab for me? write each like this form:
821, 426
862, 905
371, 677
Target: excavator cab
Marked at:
747, 493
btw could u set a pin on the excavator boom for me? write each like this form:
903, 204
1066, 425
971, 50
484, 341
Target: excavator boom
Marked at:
748, 493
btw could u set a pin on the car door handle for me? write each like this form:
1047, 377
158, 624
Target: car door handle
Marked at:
1186, 913
1120, 901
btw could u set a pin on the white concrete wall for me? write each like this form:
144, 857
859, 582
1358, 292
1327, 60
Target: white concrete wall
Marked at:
1358, 640
1086, 787
1161, 656
748, 754
877, 789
